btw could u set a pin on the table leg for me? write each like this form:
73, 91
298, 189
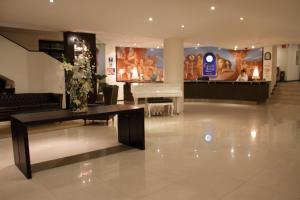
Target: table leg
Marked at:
131, 128
21, 147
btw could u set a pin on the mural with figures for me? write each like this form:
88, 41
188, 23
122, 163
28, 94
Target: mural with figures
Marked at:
139, 64
229, 63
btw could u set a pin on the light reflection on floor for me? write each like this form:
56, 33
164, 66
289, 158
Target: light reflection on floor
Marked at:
212, 151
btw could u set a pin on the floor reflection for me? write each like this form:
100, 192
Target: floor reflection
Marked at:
212, 151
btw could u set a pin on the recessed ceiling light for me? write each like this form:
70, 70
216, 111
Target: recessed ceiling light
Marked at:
150, 19
253, 47
51, 1
182, 26
242, 18
213, 8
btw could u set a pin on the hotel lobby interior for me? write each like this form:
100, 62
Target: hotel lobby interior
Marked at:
149, 100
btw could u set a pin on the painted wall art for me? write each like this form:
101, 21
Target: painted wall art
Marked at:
223, 64
139, 64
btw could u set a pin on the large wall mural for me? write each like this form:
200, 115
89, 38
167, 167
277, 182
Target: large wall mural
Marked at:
221, 64
139, 64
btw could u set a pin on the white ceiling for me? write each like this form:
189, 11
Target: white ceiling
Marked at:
125, 22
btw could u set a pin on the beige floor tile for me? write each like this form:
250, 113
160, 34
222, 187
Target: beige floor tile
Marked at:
212, 151
250, 192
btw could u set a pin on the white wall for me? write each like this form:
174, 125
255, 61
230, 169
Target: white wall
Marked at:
31, 71
101, 58
111, 79
13, 64
268, 64
282, 58
173, 63
274, 69
293, 71
29, 38
269, 67
45, 74
286, 60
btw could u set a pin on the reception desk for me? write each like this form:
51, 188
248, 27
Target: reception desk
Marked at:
229, 90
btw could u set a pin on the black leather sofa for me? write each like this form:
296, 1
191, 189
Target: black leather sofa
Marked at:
28, 102
2, 83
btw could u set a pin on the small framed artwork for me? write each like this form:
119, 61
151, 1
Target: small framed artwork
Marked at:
297, 58
268, 56
110, 71
110, 61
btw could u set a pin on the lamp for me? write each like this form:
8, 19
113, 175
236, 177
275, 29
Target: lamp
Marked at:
255, 75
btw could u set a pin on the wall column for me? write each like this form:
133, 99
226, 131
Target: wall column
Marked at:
173, 62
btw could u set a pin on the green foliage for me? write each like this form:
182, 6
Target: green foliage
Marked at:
100, 77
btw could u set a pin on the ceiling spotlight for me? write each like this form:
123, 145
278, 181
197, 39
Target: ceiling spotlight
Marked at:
236, 47
242, 18
213, 8
253, 47
182, 26
150, 19
51, 1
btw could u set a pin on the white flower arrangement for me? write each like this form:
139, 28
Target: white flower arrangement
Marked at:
79, 78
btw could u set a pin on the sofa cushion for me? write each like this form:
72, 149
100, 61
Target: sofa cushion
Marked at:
50, 105
29, 102
28, 107
8, 109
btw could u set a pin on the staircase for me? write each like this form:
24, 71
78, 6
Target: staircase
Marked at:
286, 93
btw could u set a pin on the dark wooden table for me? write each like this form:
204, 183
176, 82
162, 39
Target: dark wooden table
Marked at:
131, 128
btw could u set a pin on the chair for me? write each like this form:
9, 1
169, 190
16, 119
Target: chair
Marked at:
110, 93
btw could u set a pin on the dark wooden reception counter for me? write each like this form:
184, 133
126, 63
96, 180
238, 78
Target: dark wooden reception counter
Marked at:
229, 90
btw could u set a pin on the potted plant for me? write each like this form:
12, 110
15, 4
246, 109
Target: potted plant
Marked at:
79, 78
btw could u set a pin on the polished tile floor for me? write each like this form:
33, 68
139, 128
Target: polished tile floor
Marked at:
213, 151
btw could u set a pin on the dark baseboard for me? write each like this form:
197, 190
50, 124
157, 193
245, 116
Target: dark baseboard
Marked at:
291, 81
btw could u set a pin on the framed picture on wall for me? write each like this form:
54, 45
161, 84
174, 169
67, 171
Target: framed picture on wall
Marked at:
139, 64
110, 61
268, 56
297, 57
110, 71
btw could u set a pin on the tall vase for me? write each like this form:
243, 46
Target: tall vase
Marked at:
78, 101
